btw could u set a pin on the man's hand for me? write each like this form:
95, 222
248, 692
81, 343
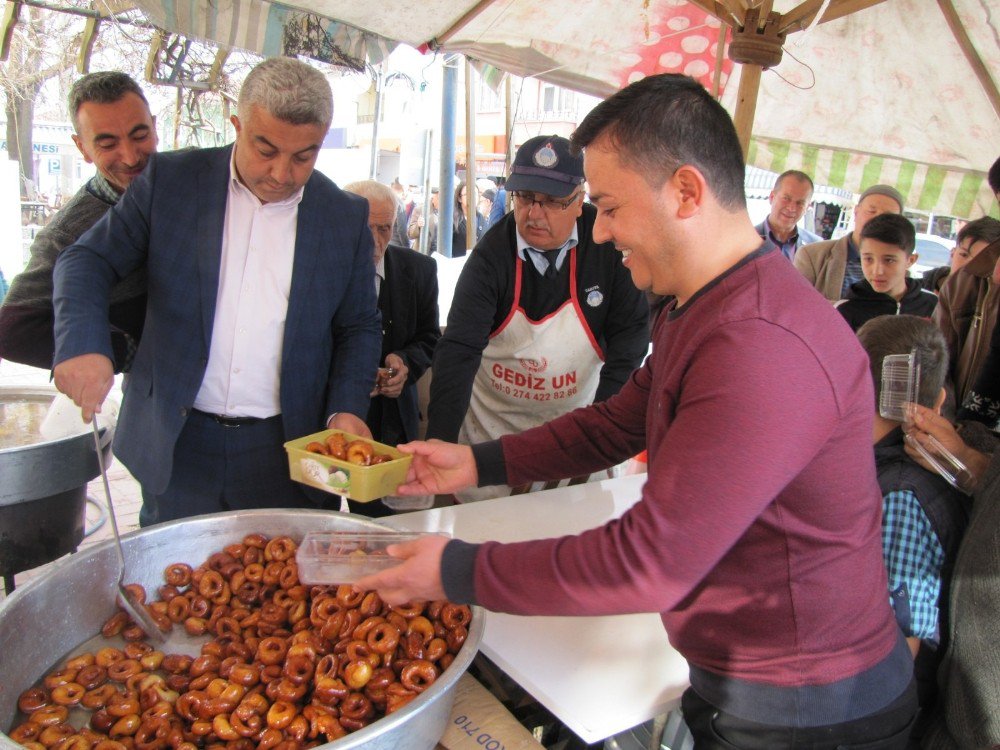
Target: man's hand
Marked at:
391, 386
924, 421
87, 380
925, 424
419, 577
347, 422
438, 468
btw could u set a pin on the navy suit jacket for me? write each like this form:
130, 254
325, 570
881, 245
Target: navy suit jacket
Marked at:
410, 328
171, 220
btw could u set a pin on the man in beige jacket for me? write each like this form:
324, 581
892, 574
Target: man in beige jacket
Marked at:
833, 265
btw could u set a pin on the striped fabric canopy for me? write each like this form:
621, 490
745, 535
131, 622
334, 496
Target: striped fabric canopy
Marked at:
884, 94
926, 187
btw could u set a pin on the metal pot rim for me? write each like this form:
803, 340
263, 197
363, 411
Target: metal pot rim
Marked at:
243, 522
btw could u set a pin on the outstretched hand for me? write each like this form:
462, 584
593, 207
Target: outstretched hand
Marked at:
418, 577
438, 468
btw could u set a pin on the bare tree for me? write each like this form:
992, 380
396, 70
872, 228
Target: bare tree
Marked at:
43, 46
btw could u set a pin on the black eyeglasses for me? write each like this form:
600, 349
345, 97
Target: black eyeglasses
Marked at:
525, 199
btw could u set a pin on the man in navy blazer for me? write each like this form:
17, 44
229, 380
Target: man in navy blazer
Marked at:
261, 323
408, 300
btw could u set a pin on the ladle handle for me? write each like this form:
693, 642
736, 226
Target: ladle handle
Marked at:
107, 492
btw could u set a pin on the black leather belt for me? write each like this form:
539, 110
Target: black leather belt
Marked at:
229, 421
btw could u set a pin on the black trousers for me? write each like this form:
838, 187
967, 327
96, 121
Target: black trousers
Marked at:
714, 729
218, 468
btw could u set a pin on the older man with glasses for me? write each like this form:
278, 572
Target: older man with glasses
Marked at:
544, 319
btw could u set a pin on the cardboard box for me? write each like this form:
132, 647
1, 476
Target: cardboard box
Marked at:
480, 722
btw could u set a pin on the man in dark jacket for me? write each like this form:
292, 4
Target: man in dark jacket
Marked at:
407, 288
887, 244
544, 319
116, 133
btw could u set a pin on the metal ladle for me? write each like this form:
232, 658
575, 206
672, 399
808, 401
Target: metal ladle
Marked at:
137, 612
174, 641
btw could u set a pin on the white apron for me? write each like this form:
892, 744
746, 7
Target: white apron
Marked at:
531, 372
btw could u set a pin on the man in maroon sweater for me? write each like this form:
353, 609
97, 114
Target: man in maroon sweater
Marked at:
757, 537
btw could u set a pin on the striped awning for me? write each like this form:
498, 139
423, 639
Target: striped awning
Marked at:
887, 95
891, 93
926, 187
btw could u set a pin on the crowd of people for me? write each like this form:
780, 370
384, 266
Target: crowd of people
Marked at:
827, 586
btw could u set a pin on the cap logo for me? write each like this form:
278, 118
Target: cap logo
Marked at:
546, 157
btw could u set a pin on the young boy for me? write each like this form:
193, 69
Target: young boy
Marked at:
887, 243
923, 517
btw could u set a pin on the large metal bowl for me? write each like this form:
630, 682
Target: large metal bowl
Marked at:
55, 613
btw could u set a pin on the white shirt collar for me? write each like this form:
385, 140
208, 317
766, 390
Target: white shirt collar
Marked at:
537, 256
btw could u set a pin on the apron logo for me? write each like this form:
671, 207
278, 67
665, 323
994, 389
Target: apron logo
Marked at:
534, 365
595, 298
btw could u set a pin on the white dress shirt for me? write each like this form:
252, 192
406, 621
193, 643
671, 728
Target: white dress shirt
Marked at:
379, 275
255, 275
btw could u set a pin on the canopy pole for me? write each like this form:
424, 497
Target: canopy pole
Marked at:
471, 196
379, 85
446, 194
746, 105
720, 56
975, 61
758, 22
469, 16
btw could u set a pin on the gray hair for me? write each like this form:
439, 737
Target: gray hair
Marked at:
288, 89
373, 191
101, 87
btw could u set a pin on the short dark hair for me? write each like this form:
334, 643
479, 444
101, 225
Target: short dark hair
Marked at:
664, 121
994, 176
102, 87
797, 174
901, 334
986, 228
892, 229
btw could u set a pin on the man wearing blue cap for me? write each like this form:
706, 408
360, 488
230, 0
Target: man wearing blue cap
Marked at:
544, 319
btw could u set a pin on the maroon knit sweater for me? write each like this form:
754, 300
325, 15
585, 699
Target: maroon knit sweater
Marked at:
757, 537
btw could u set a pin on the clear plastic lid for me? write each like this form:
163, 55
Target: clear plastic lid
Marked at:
900, 390
335, 557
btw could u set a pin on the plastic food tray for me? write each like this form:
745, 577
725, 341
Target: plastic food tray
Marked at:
361, 483
333, 557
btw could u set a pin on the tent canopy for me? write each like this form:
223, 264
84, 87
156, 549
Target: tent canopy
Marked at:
895, 91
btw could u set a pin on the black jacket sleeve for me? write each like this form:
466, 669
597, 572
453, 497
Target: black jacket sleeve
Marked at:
478, 296
419, 349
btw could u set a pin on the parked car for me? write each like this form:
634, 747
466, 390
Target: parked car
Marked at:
932, 251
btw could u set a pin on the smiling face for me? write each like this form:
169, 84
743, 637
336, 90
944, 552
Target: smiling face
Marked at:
117, 138
634, 216
885, 266
274, 158
789, 201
